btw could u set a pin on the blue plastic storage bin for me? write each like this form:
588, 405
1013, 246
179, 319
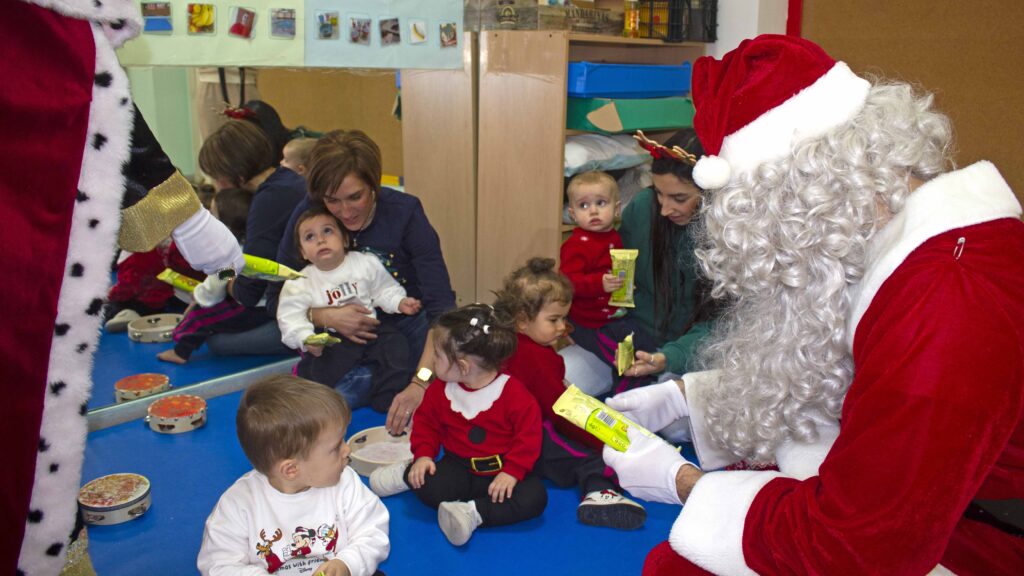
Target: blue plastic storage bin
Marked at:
594, 80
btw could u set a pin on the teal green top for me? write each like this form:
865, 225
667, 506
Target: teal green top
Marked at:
679, 349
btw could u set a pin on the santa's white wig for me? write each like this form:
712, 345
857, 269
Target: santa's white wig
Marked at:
784, 243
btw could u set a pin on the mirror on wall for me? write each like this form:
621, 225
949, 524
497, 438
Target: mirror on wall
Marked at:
181, 105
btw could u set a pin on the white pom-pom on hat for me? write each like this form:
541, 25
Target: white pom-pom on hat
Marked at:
711, 172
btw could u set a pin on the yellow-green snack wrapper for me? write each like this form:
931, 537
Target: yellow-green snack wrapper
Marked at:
624, 266
264, 269
589, 413
624, 354
178, 280
322, 339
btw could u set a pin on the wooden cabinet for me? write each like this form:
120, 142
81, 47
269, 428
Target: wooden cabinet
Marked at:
519, 109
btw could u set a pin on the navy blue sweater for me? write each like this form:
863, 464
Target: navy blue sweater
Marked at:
267, 225
402, 237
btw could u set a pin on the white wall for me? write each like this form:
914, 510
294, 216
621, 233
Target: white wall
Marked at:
742, 19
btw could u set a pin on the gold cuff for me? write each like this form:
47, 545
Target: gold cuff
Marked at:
153, 218
419, 382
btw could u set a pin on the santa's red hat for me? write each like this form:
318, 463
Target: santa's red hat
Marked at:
760, 99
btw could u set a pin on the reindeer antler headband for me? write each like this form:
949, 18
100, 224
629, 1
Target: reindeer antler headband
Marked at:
659, 151
238, 113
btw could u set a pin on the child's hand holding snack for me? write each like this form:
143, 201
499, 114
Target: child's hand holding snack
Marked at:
612, 282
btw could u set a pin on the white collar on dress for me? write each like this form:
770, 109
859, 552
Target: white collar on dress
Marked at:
953, 200
470, 403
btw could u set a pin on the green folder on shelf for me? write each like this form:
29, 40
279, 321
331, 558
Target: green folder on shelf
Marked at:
618, 115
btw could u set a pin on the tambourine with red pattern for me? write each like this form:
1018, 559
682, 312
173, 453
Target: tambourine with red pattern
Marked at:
176, 414
140, 386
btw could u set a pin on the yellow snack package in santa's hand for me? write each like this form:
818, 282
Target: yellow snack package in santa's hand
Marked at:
606, 424
256, 267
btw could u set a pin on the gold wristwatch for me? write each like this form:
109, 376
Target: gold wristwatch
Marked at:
423, 377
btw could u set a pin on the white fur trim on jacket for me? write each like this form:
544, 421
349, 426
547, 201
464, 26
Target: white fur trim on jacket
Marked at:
836, 97
91, 248
119, 19
709, 531
471, 403
972, 195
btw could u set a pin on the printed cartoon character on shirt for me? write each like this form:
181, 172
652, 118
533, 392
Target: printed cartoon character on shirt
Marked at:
302, 539
266, 552
329, 534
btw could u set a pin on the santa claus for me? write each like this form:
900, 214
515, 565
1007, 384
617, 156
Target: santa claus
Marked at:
874, 343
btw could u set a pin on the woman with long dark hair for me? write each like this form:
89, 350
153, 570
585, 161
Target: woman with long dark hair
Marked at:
671, 301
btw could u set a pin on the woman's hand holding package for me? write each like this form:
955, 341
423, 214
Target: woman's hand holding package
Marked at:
351, 321
648, 468
654, 407
645, 364
207, 244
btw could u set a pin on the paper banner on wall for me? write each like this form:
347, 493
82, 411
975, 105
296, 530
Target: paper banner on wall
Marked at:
299, 33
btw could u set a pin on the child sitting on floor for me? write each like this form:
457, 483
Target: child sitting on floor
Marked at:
302, 510
205, 318
586, 260
486, 421
537, 298
296, 155
336, 277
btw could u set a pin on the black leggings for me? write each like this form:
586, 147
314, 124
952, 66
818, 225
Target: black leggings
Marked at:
453, 480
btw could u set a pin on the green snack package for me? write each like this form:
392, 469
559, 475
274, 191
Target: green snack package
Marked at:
178, 280
624, 354
256, 267
322, 339
624, 266
589, 413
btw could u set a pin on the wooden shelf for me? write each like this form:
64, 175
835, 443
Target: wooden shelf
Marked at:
581, 38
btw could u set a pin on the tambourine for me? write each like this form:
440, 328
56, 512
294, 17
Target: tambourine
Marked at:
155, 328
375, 447
176, 414
140, 386
114, 499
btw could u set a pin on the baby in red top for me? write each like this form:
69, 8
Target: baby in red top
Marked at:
488, 424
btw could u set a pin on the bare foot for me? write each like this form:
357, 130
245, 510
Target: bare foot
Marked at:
171, 356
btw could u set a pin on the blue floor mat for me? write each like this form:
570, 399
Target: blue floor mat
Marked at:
189, 472
118, 356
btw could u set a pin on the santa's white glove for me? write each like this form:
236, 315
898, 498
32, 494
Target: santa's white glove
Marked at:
654, 407
648, 467
207, 244
211, 291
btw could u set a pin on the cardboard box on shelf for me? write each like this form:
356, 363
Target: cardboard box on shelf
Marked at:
618, 115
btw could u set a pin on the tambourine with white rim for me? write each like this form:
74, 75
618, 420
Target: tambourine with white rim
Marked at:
154, 328
176, 414
140, 386
375, 447
114, 499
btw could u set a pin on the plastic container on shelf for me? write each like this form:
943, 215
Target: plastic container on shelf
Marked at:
598, 80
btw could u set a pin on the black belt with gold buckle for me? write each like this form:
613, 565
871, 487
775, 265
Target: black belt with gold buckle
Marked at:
486, 464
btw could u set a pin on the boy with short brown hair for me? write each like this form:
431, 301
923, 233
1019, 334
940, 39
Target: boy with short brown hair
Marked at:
302, 509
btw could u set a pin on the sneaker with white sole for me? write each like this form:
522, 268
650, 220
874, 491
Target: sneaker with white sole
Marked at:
458, 520
389, 480
610, 509
121, 320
